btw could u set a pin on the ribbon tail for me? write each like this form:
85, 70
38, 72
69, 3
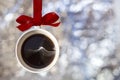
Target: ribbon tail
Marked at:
24, 27
55, 24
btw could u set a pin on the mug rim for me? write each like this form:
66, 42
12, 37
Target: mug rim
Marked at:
21, 40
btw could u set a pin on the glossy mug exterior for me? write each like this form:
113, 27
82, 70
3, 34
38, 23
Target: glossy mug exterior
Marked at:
20, 42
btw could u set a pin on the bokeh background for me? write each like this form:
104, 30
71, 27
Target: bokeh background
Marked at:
89, 39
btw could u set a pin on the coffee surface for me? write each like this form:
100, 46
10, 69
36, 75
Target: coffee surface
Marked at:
38, 51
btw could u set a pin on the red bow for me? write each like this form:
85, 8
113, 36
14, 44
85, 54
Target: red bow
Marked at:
37, 20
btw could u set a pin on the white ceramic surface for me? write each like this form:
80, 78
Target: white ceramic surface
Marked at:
23, 37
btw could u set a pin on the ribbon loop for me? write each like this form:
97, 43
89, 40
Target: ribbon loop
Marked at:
27, 22
23, 19
50, 18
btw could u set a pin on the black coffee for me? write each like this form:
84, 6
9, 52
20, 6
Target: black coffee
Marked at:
38, 51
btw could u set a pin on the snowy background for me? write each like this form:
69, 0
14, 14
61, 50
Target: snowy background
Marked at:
89, 39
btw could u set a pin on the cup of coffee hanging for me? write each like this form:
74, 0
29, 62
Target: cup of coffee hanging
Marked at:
37, 49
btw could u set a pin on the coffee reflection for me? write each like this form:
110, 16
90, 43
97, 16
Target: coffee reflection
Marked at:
38, 51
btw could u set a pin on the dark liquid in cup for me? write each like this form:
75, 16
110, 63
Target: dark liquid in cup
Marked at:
38, 51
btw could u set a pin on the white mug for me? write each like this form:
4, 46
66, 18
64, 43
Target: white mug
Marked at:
19, 53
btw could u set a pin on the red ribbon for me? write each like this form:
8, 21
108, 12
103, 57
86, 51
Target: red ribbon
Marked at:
27, 22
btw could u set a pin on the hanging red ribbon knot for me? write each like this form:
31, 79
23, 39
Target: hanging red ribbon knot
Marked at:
37, 20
